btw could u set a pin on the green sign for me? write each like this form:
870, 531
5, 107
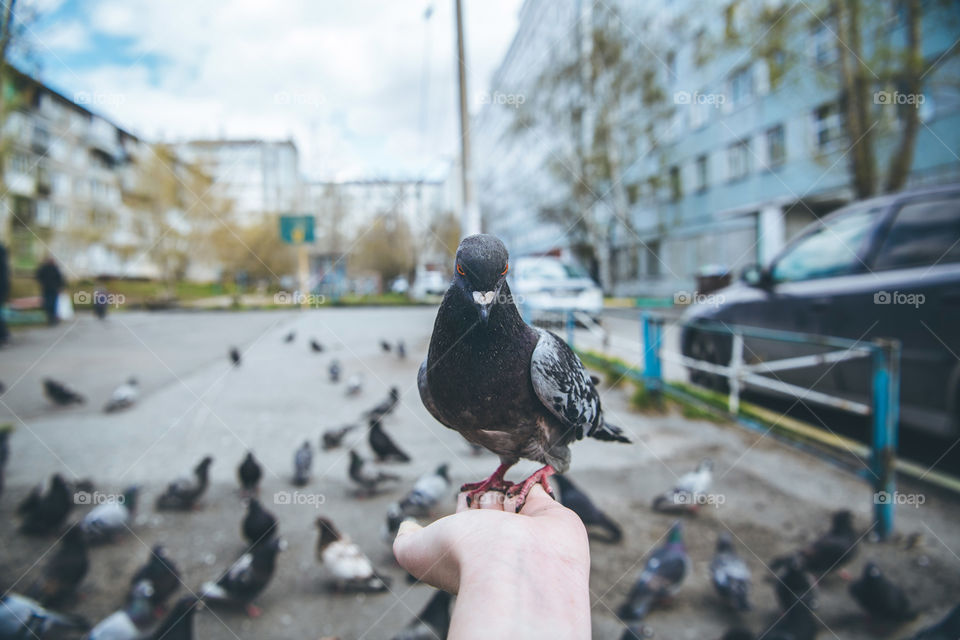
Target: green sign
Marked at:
296, 229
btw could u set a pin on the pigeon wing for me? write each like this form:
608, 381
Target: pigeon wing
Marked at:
563, 385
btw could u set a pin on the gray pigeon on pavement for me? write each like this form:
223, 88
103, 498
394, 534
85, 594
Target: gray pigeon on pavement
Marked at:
302, 462
730, 574
22, 617
661, 577
107, 521
123, 396
517, 390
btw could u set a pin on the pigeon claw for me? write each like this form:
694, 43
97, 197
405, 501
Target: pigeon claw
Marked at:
494, 483
537, 477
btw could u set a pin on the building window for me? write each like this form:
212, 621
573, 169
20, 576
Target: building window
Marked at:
741, 85
827, 126
776, 146
676, 187
701, 171
653, 258
738, 160
823, 42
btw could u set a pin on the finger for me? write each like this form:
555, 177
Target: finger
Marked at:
492, 500
424, 553
539, 502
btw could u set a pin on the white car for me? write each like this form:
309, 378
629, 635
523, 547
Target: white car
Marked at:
546, 283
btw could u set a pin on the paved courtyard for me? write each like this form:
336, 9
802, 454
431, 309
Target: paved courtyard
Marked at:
194, 403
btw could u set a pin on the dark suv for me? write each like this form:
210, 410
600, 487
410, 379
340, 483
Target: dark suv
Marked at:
884, 267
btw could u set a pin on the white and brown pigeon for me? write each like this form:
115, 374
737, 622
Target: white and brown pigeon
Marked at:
517, 390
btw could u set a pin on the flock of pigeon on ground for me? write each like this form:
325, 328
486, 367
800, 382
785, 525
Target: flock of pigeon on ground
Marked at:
145, 614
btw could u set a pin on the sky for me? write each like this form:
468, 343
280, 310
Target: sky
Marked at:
366, 88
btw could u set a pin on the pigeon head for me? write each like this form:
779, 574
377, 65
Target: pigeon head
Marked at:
872, 572
481, 271
328, 533
204, 466
724, 542
676, 533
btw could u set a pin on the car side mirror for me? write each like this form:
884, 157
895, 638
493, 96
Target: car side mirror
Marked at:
756, 276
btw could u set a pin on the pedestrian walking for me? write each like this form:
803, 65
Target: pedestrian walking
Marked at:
51, 283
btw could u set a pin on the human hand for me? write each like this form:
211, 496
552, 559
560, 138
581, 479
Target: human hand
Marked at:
516, 574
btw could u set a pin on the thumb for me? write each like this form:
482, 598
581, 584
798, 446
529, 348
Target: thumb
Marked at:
425, 556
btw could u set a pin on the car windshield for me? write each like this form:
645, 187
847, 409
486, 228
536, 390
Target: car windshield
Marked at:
549, 269
829, 251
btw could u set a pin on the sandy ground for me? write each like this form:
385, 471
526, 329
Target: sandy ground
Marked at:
774, 498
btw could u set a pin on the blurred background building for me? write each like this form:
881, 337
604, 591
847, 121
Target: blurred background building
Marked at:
654, 140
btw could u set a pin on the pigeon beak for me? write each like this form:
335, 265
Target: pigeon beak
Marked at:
484, 300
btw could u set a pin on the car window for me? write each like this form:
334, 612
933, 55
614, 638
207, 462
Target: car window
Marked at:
923, 233
541, 270
829, 251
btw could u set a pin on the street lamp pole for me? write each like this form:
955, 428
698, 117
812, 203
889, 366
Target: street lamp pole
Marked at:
469, 214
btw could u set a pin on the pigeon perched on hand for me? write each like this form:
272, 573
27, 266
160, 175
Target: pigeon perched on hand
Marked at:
350, 568
946, 629
367, 477
880, 598
517, 390
107, 521
249, 473
730, 574
60, 393
332, 438
302, 462
433, 621
315, 346
178, 625
235, 356
159, 578
833, 549
593, 518
383, 445
246, 578
183, 494
22, 617
44, 513
259, 525
661, 577
123, 396
65, 570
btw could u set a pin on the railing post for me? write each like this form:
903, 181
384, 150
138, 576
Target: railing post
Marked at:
651, 338
571, 323
886, 415
736, 364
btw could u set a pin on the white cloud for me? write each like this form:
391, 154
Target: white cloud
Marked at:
345, 79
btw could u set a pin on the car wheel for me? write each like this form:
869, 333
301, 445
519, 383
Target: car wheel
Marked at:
709, 349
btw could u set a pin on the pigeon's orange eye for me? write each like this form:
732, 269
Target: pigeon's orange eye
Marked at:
505, 267
460, 270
